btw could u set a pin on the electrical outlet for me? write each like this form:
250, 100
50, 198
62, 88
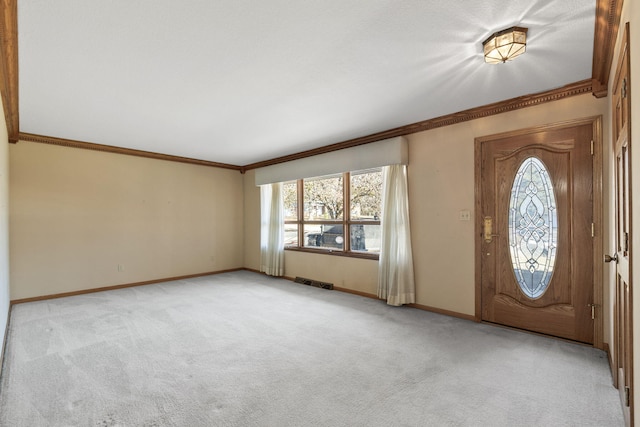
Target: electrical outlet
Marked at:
465, 215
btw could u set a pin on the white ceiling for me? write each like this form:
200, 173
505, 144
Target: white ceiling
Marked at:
241, 81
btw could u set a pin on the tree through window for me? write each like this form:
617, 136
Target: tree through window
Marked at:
319, 210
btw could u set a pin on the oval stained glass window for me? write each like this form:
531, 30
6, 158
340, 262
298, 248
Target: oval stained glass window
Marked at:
533, 228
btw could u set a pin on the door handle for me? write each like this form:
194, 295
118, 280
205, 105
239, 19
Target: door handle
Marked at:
593, 310
488, 230
609, 258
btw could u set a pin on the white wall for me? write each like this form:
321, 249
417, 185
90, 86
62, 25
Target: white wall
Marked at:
78, 214
251, 224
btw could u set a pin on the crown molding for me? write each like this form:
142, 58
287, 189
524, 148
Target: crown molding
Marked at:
573, 89
608, 13
578, 88
119, 150
9, 66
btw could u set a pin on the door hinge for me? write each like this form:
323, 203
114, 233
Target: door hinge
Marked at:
593, 230
592, 147
626, 242
627, 396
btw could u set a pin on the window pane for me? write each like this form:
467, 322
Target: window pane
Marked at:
291, 234
290, 190
323, 198
365, 238
327, 236
366, 195
533, 227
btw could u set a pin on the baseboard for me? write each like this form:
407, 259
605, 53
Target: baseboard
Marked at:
418, 306
335, 288
169, 279
126, 285
354, 292
445, 312
606, 349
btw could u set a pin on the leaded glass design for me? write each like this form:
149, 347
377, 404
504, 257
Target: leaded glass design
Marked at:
533, 228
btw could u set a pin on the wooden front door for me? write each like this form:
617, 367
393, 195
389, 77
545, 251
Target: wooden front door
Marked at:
623, 338
535, 230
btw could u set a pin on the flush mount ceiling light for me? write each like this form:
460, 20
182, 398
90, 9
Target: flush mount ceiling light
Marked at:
505, 45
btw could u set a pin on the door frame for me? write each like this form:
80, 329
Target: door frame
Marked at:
622, 70
597, 214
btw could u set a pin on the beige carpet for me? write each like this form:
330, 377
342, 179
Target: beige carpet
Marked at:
242, 349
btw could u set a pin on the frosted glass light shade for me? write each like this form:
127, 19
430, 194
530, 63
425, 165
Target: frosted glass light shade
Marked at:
505, 45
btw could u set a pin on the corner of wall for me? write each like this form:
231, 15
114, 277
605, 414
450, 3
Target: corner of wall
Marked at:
4, 233
251, 226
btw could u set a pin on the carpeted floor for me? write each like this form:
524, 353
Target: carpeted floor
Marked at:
242, 349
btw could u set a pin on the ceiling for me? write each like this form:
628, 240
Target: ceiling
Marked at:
240, 81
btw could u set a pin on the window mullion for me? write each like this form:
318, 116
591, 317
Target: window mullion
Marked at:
300, 185
346, 213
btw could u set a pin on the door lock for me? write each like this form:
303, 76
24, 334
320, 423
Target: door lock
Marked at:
488, 230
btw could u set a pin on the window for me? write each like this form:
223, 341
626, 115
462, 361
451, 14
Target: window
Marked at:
533, 227
319, 210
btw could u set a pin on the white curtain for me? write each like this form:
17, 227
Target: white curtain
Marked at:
272, 229
395, 268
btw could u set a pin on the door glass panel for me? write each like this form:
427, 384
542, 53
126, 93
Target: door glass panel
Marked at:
533, 228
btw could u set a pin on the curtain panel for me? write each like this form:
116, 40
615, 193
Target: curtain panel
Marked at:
395, 268
272, 229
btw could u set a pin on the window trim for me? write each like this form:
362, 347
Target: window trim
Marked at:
346, 223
